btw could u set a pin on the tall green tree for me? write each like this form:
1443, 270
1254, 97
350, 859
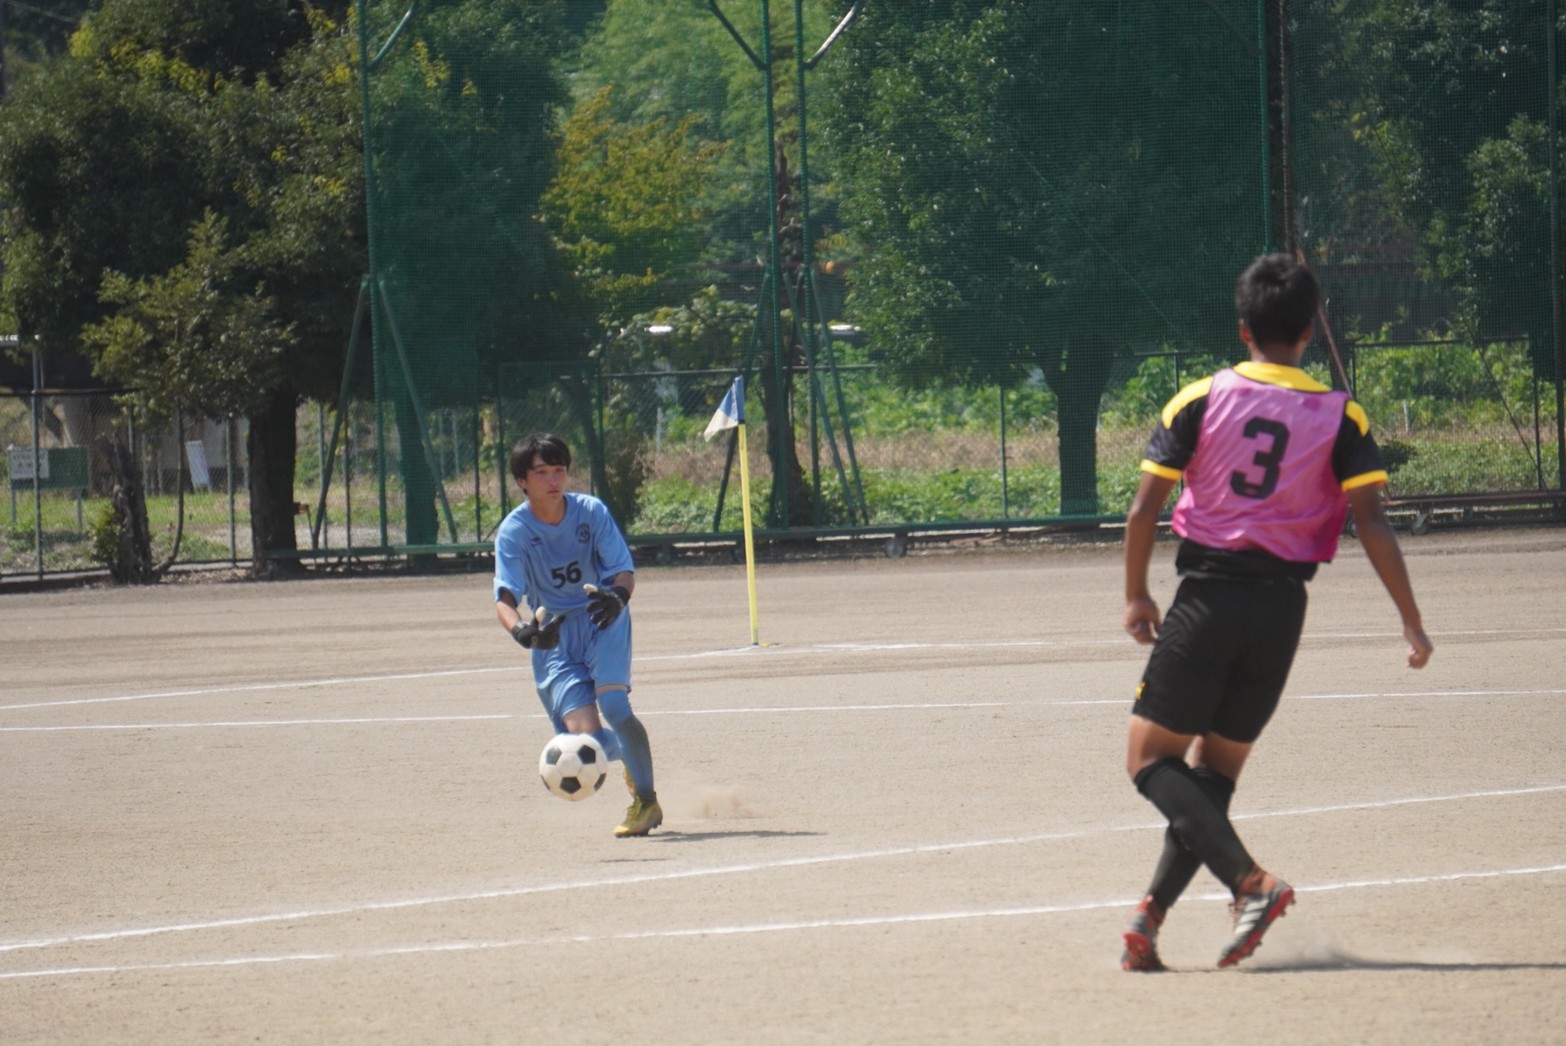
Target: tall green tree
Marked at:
625, 207
161, 112
1038, 187
676, 61
704, 66
194, 341
463, 103
1451, 101
625, 203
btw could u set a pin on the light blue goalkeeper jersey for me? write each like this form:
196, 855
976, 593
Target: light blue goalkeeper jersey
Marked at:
547, 564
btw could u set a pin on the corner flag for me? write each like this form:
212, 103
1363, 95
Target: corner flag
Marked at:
730, 413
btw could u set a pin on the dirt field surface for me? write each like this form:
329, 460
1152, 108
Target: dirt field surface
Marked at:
309, 812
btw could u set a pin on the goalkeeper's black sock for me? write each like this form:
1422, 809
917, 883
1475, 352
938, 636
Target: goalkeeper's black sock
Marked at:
1177, 865
1196, 818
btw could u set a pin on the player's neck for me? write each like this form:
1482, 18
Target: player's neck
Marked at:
1278, 353
550, 512
1279, 357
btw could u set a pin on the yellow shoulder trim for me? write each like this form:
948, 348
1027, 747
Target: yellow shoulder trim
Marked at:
1160, 470
1195, 390
1279, 374
1357, 415
1366, 479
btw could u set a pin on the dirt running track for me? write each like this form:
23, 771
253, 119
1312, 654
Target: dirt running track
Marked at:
308, 812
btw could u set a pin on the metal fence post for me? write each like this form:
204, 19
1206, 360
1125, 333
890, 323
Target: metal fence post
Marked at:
37, 465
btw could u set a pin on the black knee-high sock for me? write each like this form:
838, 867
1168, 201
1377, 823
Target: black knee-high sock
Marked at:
1177, 865
1196, 818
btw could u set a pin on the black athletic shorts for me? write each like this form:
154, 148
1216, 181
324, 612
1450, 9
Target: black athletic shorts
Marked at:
1223, 656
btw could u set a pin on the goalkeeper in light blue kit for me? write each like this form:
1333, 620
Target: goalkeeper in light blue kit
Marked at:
561, 555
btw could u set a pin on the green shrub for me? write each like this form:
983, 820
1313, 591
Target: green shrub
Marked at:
105, 537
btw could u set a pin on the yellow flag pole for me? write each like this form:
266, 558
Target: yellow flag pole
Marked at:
750, 545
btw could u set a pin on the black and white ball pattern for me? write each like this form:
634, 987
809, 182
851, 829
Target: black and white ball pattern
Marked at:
573, 766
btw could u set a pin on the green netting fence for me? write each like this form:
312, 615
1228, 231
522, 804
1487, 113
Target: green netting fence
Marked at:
961, 252
980, 329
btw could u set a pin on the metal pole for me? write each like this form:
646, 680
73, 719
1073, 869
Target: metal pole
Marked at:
1556, 275
784, 426
805, 318
348, 462
502, 451
1005, 499
233, 527
1286, 125
37, 463
1263, 76
320, 453
365, 65
478, 490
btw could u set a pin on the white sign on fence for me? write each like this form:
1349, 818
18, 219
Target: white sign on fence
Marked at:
200, 473
21, 463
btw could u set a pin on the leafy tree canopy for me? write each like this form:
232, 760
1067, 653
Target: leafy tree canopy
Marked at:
193, 339
676, 62
1033, 180
1045, 186
1451, 100
626, 201
463, 107
233, 118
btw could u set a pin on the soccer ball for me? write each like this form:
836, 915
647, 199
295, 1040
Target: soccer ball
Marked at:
573, 766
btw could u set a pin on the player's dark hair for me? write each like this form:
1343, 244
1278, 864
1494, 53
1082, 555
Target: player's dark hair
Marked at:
1276, 297
539, 448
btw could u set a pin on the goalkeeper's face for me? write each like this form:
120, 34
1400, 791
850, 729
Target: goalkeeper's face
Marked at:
545, 487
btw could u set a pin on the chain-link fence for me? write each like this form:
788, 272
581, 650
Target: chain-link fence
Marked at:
1453, 419
60, 478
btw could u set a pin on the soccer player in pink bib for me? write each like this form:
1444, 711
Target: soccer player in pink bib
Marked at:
1272, 461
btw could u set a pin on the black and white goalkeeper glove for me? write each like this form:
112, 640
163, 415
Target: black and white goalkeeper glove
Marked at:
535, 634
605, 604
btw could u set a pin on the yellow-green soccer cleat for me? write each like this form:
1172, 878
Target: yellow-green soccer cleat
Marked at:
643, 816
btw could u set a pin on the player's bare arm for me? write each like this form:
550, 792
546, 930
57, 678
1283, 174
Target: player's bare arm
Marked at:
1379, 541
626, 579
506, 611
1142, 619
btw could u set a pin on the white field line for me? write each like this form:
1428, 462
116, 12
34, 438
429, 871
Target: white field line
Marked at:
763, 650
223, 724
748, 868
792, 926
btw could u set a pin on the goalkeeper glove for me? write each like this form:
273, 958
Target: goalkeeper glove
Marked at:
534, 634
605, 604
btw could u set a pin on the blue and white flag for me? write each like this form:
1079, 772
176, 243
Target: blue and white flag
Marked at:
731, 412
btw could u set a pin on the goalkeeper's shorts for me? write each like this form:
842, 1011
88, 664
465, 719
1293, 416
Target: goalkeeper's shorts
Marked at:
588, 657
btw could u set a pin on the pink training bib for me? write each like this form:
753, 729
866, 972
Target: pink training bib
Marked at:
1262, 475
